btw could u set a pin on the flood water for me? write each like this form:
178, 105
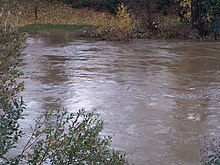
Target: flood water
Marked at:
156, 97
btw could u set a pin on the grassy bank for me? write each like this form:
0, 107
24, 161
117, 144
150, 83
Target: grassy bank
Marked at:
77, 29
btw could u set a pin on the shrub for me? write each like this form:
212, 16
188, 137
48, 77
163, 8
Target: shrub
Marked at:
10, 129
60, 137
11, 42
11, 108
122, 29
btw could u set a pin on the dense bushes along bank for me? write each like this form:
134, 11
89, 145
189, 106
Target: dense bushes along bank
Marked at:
129, 20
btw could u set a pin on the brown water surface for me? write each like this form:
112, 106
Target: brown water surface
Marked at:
157, 98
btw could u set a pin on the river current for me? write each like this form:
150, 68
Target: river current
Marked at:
157, 98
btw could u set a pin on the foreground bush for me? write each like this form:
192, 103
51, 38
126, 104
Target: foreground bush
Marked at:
11, 108
59, 137
66, 138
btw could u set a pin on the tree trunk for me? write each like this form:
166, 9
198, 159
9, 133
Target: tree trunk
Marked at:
197, 16
194, 12
200, 19
36, 5
149, 13
35, 12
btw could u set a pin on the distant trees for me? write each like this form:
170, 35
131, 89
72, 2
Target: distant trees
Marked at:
109, 5
198, 13
206, 13
201, 17
164, 6
213, 10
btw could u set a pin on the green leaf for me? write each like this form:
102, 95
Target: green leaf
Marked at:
217, 162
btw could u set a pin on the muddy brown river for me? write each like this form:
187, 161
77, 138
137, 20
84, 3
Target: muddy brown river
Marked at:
156, 97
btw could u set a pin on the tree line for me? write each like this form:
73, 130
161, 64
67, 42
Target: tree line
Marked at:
203, 15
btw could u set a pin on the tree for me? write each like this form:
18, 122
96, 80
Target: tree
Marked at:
204, 15
198, 13
163, 5
213, 10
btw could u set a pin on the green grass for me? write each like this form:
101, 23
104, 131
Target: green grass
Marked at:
36, 27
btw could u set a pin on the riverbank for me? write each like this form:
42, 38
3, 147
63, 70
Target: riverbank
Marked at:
82, 22
90, 23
